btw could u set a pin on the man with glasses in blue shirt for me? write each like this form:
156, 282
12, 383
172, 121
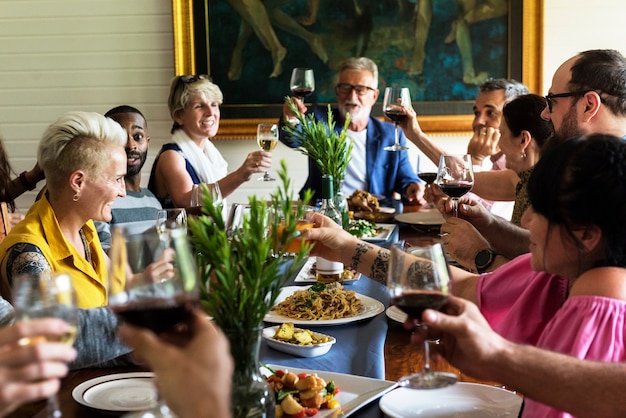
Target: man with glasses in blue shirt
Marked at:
371, 168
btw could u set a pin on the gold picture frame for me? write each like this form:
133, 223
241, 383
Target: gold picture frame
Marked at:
529, 41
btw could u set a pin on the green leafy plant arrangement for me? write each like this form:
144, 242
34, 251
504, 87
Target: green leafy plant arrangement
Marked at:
242, 270
330, 150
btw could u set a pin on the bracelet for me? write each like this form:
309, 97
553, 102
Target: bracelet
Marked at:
27, 184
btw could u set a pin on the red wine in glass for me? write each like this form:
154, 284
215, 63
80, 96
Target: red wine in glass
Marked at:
428, 177
394, 102
456, 189
414, 302
302, 82
158, 315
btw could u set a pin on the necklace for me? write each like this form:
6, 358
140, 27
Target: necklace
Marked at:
85, 246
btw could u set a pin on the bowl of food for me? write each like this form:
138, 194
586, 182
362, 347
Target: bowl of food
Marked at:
297, 341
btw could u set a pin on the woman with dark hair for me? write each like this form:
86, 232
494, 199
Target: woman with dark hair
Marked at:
523, 133
568, 295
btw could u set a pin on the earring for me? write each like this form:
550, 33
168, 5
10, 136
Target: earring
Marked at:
523, 155
76, 196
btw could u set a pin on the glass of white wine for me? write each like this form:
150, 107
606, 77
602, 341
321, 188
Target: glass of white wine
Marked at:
267, 138
170, 219
46, 295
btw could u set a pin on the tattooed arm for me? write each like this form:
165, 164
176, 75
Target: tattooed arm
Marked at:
96, 343
334, 243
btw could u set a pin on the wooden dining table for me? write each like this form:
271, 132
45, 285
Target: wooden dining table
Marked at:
401, 358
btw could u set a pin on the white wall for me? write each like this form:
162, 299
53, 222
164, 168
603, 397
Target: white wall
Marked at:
60, 55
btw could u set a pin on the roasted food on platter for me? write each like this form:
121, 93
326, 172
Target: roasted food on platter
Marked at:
290, 334
362, 201
320, 301
300, 393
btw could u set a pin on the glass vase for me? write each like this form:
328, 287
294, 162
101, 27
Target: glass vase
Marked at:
251, 394
341, 203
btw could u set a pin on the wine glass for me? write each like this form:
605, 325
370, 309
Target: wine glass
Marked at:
395, 99
267, 138
197, 194
153, 284
419, 279
302, 82
171, 219
455, 177
47, 295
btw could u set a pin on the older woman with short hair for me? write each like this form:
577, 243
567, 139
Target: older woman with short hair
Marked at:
194, 104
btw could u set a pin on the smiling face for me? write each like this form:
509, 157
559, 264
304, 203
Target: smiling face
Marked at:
488, 109
138, 140
359, 107
564, 116
201, 117
103, 189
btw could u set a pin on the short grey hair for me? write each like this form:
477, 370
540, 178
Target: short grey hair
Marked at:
512, 88
78, 141
359, 64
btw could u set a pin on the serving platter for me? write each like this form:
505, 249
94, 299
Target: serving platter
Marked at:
120, 392
354, 391
307, 274
395, 314
467, 400
371, 308
383, 235
312, 350
425, 217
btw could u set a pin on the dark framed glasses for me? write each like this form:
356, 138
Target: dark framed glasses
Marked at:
346, 88
578, 93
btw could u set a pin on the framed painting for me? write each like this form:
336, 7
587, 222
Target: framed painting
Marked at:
441, 49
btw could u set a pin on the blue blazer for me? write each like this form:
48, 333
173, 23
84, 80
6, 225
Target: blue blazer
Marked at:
387, 172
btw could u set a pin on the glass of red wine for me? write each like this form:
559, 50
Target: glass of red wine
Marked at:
302, 82
396, 98
419, 279
153, 284
455, 177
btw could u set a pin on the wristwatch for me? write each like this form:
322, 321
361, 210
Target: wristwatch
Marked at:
484, 259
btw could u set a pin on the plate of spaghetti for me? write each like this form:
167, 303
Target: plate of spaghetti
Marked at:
322, 304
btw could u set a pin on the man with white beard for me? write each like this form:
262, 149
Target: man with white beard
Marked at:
371, 168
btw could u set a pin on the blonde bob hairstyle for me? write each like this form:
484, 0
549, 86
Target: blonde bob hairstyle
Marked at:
78, 141
183, 87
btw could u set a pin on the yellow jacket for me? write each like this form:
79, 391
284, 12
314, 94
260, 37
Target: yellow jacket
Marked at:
40, 228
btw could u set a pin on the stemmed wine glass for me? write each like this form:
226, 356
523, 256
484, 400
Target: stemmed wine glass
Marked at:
395, 99
47, 295
455, 177
419, 279
302, 82
153, 284
170, 219
267, 138
197, 194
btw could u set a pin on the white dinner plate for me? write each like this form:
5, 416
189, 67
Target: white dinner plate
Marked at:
382, 235
307, 273
394, 313
354, 391
371, 308
425, 217
311, 350
121, 392
467, 400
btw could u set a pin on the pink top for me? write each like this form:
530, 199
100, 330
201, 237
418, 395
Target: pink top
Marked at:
531, 307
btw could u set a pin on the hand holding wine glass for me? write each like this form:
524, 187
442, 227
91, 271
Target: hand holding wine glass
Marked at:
302, 82
419, 279
396, 98
267, 139
47, 295
455, 177
153, 284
